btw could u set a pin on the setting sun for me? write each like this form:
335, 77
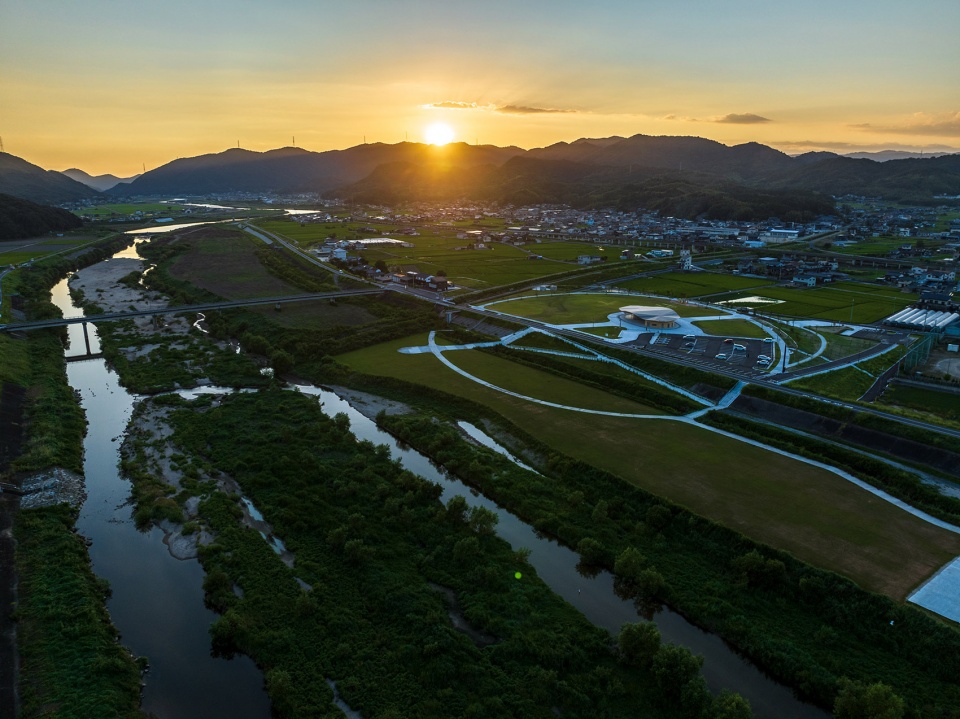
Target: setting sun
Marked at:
439, 133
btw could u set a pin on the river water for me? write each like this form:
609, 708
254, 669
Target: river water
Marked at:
157, 601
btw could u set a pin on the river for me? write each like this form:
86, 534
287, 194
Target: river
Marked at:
157, 601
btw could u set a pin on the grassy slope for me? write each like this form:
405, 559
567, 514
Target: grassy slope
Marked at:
812, 513
731, 328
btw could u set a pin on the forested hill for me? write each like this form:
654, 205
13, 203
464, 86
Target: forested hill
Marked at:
21, 218
524, 180
30, 182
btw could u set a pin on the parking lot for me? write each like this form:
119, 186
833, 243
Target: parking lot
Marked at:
732, 354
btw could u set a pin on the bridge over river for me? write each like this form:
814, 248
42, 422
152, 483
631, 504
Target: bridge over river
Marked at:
205, 307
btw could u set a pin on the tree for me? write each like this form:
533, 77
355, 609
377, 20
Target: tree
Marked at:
673, 667
730, 706
638, 643
281, 361
629, 565
590, 551
856, 700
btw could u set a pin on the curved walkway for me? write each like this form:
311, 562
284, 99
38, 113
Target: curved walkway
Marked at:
438, 351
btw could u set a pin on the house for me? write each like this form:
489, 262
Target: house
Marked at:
805, 280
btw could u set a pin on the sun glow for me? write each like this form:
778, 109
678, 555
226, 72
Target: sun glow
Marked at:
439, 133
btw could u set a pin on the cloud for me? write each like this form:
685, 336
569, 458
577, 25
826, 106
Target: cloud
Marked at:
525, 110
504, 109
793, 145
747, 118
921, 123
451, 105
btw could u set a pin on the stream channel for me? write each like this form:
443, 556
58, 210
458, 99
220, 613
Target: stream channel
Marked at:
157, 601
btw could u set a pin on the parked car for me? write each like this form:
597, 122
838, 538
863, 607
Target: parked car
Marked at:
721, 356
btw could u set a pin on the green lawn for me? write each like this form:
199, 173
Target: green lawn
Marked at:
731, 328
693, 284
849, 383
842, 302
581, 308
809, 512
937, 406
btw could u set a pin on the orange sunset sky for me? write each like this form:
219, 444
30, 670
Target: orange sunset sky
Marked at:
110, 86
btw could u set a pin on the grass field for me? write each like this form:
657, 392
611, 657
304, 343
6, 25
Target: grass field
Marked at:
224, 261
692, 284
941, 405
731, 328
433, 251
807, 511
570, 251
101, 211
849, 383
882, 246
562, 309
610, 333
15, 252
841, 302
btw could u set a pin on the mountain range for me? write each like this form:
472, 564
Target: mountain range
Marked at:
101, 183
681, 175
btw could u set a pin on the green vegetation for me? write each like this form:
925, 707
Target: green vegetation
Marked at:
22, 218
849, 383
849, 416
379, 553
731, 328
812, 513
897, 482
840, 302
603, 377
561, 309
693, 284
804, 625
937, 405
71, 664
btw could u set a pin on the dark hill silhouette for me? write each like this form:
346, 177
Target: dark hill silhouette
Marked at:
291, 169
100, 183
30, 182
21, 218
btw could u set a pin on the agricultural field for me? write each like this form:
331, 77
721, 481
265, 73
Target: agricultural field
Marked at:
570, 251
882, 246
433, 251
807, 511
122, 209
562, 309
692, 284
224, 261
841, 302
731, 328
15, 252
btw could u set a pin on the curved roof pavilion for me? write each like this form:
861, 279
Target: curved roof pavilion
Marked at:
659, 317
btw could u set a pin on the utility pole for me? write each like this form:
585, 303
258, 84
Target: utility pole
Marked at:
1, 144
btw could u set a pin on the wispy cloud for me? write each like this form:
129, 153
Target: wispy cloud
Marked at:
503, 109
921, 123
526, 110
733, 118
746, 118
452, 105
794, 145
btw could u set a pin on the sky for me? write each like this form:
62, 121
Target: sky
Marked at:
112, 86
